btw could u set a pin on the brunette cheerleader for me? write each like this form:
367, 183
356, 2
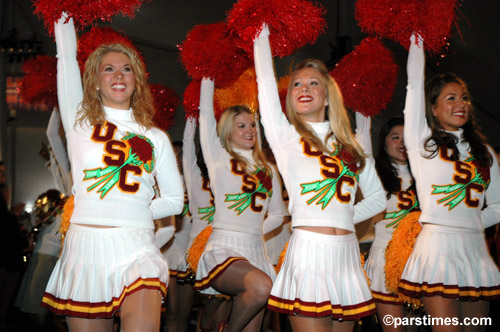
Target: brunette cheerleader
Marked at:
456, 173
391, 164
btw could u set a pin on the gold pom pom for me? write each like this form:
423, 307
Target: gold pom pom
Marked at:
398, 251
197, 248
283, 83
68, 207
242, 92
282, 257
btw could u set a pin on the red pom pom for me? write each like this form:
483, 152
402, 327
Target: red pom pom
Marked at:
191, 99
367, 77
397, 20
39, 84
292, 23
208, 52
165, 101
88, 42
84, 13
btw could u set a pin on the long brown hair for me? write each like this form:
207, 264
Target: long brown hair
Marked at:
386, 170
439, 137
225, 129
340, 124
141, 100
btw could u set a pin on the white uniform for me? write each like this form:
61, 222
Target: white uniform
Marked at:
114, 168
176, 249
59, 163
450, 257
201, 199
242, 201
322, 274
398, 206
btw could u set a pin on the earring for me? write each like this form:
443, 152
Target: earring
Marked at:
97, 88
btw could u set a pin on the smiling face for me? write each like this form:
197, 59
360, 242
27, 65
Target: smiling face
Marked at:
116, 80
394, 145
452, 107
308, 95
243, 131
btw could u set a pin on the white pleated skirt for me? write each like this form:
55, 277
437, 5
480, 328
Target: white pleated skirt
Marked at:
224, 248
176, 256
100, 267
276, 240
375, 269
322, 276
451, 262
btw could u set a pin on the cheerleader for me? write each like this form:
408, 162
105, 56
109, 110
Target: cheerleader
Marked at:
111, 260
391, 164
202, 209
458, 185
321, 284
200, 197
246, 189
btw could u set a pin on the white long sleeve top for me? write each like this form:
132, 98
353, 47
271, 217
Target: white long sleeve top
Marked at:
241, 200
363, 133
201, 199
59, 162
320, 186
450, 193
400, 203
398, 206
183, 224
115, 164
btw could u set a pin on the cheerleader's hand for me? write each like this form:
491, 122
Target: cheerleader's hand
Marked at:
416, 59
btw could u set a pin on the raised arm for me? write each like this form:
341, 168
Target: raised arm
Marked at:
69, 83
56, 142
170, 200
209, 141
416, 128
275, 210
189, 162
276, 126
374, 196
363, 135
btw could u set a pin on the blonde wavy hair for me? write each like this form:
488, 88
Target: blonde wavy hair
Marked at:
141, 101
225, 131
336, 112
